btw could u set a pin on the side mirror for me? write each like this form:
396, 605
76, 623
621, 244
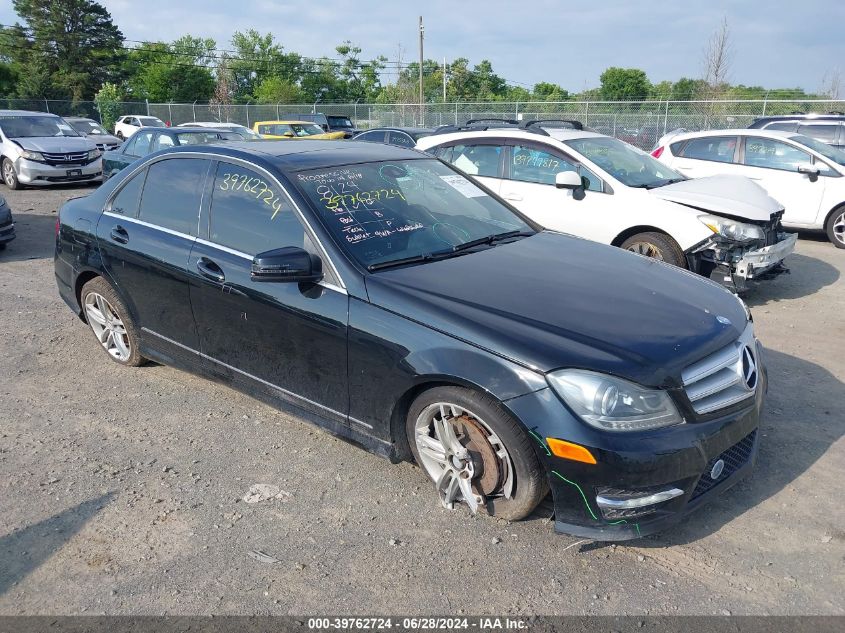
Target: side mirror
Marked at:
810, 170
568, 180
288, 264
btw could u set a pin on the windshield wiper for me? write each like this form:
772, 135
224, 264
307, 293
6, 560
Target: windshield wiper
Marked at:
449, 252
413, 259
489, 239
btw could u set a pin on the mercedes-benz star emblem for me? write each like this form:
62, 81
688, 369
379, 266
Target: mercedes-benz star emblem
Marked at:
718, 469
749, 369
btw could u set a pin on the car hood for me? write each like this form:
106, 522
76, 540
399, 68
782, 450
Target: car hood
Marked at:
552, 300
106, 139
736, 196
56, 144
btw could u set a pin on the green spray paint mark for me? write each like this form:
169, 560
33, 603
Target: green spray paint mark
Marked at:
589, 509
542, 443
583, 496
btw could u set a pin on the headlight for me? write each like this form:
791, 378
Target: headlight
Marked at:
30, 155
731, 229
613, 404
94, 153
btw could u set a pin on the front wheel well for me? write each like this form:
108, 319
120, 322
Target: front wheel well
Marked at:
401, 448
624, 235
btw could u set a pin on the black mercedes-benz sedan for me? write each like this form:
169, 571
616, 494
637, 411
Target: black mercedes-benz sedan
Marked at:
397, 303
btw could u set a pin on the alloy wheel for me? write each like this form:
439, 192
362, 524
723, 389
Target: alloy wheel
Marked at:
466, 459
839, 228
647, 249
107, 326
8, 173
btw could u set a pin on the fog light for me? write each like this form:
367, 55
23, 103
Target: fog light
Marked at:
638, 502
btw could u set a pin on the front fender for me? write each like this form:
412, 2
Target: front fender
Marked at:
390, 356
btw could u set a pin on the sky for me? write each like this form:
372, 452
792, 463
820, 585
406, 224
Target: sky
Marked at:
776, 43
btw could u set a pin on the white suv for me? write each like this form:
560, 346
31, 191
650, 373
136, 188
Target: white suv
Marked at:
128, 124
804, 174
597, 187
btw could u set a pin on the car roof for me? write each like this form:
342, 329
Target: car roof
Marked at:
80, 118
279, 121
812, 116
26, 113
293, 156
736, 132
554, 133
197, 129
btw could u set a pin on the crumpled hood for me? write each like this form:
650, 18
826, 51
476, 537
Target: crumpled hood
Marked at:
725, 195
57, 144
552, 301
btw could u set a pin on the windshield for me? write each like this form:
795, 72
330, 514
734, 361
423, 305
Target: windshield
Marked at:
35, 126
84, 126
387, 212
151, 121
244, 131
340, 121
629, 165
831, 153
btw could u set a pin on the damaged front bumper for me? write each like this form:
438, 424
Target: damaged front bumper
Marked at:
736, 265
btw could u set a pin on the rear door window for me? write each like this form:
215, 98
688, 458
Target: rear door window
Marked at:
173, 193
720, 149
477, 160
783, 126
823, 132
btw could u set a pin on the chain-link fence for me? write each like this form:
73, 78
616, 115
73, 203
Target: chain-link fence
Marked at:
638, 122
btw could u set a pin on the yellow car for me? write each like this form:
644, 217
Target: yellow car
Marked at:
293, 129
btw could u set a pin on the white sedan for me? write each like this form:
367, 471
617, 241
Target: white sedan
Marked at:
127, 125
803, 174
597, 187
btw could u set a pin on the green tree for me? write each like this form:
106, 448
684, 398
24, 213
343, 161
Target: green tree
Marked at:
176, 72
277, 90
362, 80
686, 89
108, 104
74, 43
258, 57
624, 84
545, 91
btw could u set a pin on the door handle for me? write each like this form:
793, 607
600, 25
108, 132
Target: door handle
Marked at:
210, 270
513, 196
119, 234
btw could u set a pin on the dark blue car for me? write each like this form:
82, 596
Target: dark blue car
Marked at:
395, 302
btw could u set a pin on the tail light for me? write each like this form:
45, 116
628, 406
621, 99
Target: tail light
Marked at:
58, 224
658, 152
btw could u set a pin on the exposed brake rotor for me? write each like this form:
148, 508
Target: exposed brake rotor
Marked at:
488, 473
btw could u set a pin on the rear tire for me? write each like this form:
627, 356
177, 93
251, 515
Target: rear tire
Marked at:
496, 452
110, 322
10, 176
835, 227
657, 246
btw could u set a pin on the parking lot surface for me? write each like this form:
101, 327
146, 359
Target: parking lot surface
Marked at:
122, 490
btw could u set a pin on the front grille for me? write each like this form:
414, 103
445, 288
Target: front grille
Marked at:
74, 158
104, 147
724, 378
735, 458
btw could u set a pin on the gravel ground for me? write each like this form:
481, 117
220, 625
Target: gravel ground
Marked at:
121, 489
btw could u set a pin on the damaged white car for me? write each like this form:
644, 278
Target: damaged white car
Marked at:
597, 187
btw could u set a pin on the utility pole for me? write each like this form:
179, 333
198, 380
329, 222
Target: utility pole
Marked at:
444, 80
422, 31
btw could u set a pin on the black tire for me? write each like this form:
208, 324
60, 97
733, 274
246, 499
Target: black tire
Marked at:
10, 176
657, 245
530, 483
104, 289
835, 227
